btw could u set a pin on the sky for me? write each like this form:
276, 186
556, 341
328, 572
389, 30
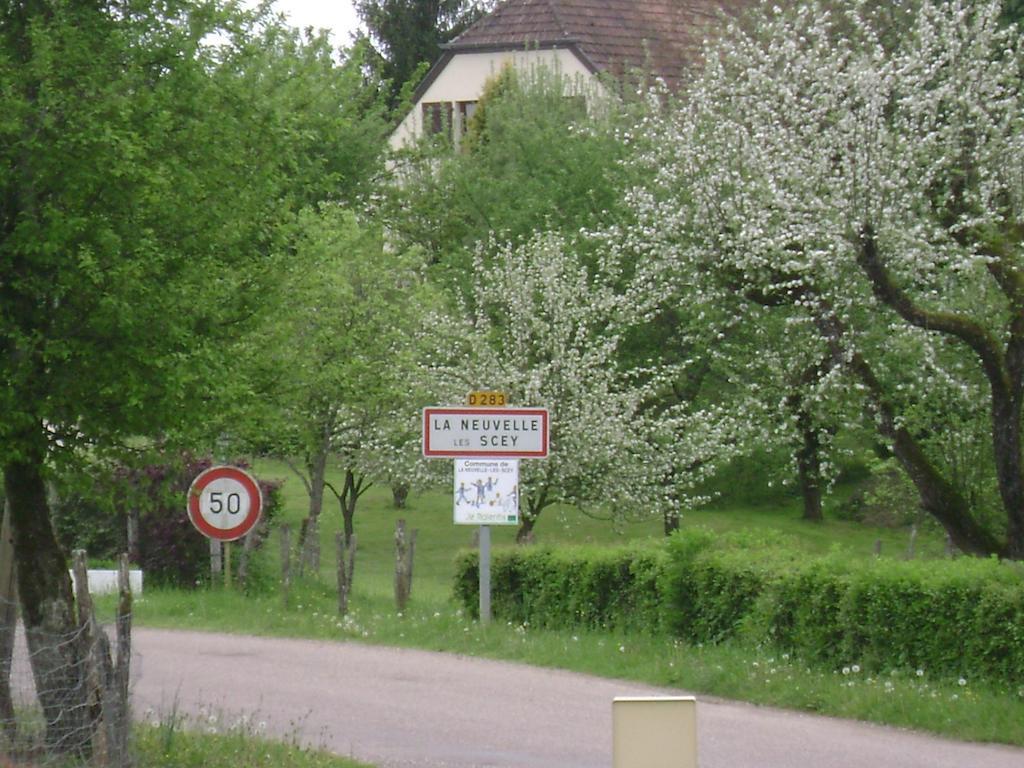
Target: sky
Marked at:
339, 16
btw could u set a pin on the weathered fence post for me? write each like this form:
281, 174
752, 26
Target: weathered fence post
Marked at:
119, 713
346, 569
405, 547
92, 649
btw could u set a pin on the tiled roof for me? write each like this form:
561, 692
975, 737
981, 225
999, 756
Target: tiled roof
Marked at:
663, 36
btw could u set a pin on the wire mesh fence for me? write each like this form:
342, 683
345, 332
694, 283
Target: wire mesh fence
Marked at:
64, 695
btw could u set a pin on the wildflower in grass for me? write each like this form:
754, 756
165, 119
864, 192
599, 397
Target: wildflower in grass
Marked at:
961, 682
846, 670
855, 669
920, 673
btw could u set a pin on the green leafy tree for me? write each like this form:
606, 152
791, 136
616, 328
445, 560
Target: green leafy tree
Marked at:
337, 367
542, 152
145, 153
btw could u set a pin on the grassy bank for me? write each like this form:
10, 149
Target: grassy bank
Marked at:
172, 745
962, 709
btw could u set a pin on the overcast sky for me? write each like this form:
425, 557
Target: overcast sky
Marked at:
339, 16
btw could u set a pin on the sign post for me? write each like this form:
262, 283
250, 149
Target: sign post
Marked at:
224, 504
486, 493
487, 440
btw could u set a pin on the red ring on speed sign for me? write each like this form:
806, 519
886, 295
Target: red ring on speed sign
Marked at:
224, 503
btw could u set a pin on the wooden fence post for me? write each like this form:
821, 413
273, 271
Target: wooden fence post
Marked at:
92, 649
405, 547
120, 721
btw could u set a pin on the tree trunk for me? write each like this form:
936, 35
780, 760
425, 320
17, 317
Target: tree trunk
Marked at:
346, 570
938, 496
47, 608
808, 462
525, 533
671, 521
528, 519
8, 626
1006, 444
317, 467
399, 494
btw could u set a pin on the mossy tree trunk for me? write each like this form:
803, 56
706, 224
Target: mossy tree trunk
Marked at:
47, 608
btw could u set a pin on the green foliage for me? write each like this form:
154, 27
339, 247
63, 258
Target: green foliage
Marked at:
948, 619
535, 159
593, 588
86, 522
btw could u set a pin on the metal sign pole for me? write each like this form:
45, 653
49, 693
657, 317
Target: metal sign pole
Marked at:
485, 574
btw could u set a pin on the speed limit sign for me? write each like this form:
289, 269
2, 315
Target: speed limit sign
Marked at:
224, 503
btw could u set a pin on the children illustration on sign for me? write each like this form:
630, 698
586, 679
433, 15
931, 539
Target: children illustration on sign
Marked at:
484, 490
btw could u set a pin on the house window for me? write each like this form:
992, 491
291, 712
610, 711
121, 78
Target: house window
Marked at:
466, 110
437, 118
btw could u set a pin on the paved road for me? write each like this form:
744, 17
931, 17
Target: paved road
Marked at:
416, 709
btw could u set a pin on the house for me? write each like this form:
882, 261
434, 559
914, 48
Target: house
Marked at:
578, 38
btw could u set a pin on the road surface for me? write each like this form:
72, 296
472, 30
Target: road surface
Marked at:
400, 708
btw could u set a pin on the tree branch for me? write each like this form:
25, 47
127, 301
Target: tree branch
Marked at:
966, 330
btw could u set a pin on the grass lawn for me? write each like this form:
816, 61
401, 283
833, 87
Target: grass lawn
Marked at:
434, 622
171, 745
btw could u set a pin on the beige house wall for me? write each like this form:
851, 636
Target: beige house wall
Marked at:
463, 79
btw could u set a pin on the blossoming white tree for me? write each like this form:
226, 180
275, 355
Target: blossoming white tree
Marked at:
547, 328
869, 185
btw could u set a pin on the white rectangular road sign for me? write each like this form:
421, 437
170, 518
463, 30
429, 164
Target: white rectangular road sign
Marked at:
509, 433
486, 491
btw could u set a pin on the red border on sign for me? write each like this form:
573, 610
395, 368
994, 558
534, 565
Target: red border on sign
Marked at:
440, 453
255, 503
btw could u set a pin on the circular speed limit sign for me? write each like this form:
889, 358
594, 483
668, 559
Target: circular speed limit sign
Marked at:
224, 503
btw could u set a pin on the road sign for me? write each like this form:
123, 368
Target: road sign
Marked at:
508, 433
485, 398
487, 492
224, 503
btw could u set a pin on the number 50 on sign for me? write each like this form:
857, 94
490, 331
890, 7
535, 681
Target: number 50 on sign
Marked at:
224, 503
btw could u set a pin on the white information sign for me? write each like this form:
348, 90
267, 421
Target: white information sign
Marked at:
486, 491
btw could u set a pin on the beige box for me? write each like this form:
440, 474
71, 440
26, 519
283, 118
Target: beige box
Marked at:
654, 732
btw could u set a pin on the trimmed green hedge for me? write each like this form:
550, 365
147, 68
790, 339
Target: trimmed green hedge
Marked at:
597, 588
951, 618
